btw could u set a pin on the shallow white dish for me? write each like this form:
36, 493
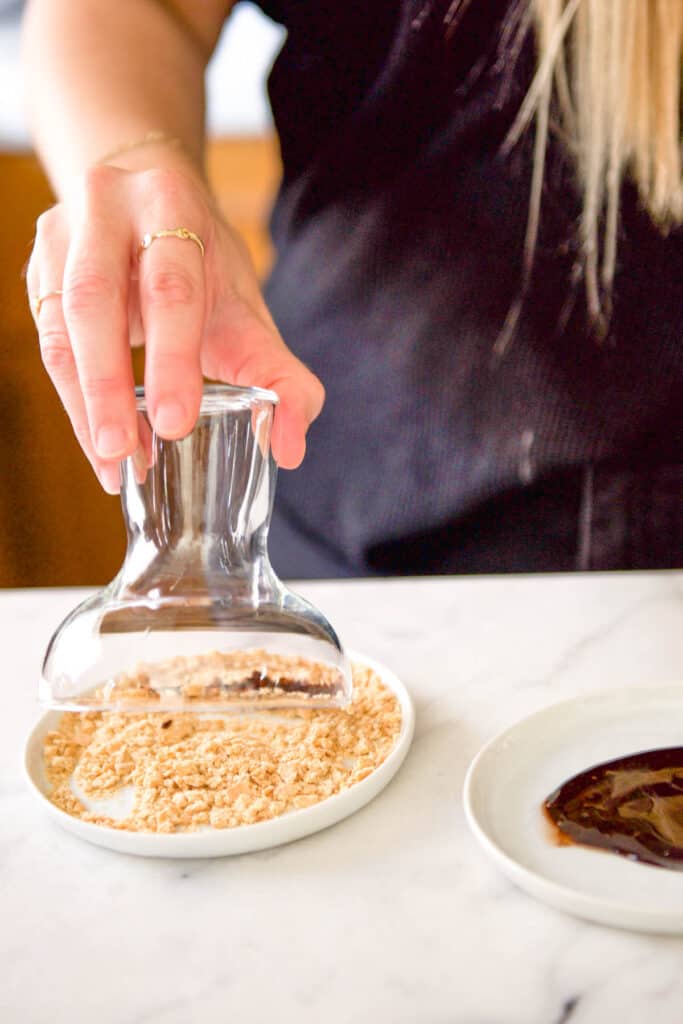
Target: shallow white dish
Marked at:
512, 775
245, 838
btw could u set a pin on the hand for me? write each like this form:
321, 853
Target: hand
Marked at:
198, 316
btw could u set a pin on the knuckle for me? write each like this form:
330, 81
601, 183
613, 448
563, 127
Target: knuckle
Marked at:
87, 290
163, 182
169, 287
45, 225
56, 353
99, 179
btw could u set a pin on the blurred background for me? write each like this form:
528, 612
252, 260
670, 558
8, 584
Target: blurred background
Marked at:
57, 527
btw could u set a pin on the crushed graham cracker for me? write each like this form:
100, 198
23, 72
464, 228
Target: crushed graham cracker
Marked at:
222, 678
190, 771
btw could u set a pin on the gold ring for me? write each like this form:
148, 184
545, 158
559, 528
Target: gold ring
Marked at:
184, 233
40, 299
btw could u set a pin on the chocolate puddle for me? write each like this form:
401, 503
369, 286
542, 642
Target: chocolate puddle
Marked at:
632, 806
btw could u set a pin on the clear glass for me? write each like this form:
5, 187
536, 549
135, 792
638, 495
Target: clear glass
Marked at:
196, 618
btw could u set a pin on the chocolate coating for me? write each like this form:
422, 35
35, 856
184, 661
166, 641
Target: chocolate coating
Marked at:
632, 806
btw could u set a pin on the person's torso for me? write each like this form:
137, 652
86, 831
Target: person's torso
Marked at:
400, 229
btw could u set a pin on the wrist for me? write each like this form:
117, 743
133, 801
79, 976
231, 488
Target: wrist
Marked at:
160, 155
157, 150
155, 154
151, 138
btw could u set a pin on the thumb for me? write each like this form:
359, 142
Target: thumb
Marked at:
250, 353
300, 403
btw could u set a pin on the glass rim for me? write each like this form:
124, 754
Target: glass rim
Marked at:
219, 397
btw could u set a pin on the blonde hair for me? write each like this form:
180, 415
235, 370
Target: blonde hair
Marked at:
608, 82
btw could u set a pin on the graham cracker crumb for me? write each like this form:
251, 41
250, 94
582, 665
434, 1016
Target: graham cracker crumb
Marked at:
188, 770
221, 678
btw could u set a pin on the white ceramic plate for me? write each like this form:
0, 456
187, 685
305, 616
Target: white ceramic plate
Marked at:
246, 838
509, 779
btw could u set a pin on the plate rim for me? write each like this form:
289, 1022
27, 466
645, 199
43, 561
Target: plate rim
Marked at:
246, 838
595, 908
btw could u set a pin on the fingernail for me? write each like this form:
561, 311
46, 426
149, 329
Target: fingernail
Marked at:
110, 479
112, 442
171, 417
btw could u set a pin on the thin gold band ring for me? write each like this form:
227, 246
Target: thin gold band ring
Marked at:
184, 233
40, 299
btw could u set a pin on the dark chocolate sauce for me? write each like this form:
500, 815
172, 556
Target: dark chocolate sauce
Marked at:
632, 806
257, 681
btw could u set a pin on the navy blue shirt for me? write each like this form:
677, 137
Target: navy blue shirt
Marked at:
399, 231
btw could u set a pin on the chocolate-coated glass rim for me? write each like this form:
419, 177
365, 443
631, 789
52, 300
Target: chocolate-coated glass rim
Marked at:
220, 397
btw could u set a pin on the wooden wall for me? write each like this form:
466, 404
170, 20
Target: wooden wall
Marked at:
57, 527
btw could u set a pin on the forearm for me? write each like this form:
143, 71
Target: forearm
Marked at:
102, 73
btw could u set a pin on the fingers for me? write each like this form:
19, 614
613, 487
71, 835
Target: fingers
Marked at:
55, 346
60, 364
172, 304
95, 304
249, 352
195, 314
293, 417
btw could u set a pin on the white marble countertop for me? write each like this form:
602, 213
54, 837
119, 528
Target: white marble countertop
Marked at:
391, 917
